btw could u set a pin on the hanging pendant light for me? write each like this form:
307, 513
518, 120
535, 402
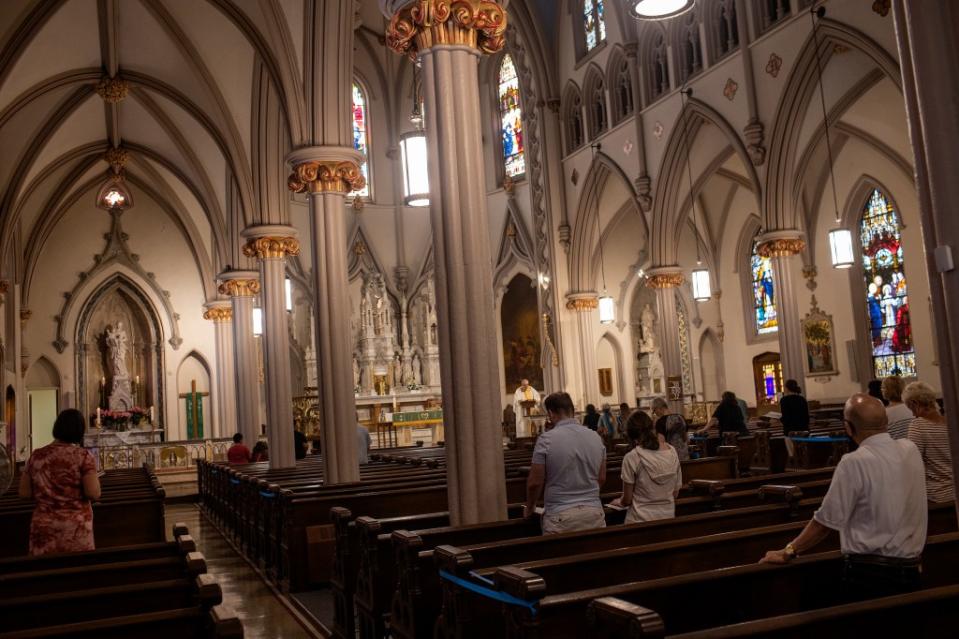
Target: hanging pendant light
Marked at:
288, 289
702, 291
607, 308
416, 179
257, 322
659, 9
840, 239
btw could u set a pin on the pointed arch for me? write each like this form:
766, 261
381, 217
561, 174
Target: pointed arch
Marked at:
573, 124
656, 72
667, 216
619, 373
515, 248
800, 88
43, 374
191, 366
620, 83
597, 113
722, 28
687, 46
712, 365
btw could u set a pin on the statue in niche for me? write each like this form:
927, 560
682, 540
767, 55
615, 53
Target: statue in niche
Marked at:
356, 372
647, 322
408, 371
397, 370
417, 370
116, 340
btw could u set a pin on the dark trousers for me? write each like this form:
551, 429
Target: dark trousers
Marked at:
872, 576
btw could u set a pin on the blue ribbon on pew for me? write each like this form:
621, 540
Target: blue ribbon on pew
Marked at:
819, 439
266, 494
489, 593
235, 482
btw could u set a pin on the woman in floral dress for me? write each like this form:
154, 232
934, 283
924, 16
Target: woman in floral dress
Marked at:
62, 479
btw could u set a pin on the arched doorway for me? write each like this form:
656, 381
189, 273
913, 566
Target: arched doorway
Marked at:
43, 400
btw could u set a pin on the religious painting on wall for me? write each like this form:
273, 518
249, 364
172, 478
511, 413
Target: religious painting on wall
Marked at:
764, 294
605, 382
818, 342
887, 301
519, 316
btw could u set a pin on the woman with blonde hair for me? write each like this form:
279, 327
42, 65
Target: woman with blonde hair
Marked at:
928, 432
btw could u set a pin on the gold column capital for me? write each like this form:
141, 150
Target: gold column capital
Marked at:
240, 287
326, 177
664, 279
271, 247
423, 24
781, 247
583, 303
218, 314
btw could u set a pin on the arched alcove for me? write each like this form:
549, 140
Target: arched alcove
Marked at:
194, 417
521, 344
609, 365
712, 368
43, 401
118, 300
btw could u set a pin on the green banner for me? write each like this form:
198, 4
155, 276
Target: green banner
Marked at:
418, 416
194, 416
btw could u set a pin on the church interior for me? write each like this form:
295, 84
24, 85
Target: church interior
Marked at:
281, 219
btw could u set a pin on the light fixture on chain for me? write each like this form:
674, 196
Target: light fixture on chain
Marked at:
702, 291
413, 150
840, 239
607, 305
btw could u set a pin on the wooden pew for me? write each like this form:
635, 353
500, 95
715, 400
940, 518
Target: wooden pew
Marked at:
466, 613
809, 583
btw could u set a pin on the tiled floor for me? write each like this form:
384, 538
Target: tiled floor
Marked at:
263, 616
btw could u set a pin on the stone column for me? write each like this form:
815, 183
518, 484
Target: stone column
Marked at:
449, 45
783, 247
584, 306
928, 57
270, 244
327, 174
664, 281
224, 384
242, 287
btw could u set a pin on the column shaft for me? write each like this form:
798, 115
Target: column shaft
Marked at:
790, 319
247, 387
276, 352
334, 362
225, 423
464, 289
669, 340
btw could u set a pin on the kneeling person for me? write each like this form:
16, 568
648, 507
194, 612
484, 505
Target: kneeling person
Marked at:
570, 462
652, 475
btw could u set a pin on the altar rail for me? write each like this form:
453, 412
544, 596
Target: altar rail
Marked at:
181, 454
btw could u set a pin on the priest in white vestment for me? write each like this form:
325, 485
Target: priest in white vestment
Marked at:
523, 395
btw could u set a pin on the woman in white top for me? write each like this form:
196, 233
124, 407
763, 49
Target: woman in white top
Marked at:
898, 413
651, 473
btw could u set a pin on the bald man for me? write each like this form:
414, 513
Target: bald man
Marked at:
877, 502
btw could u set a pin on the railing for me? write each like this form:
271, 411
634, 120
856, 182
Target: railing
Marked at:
179, 455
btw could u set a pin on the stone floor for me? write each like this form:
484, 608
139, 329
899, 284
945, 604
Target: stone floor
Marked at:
262, 614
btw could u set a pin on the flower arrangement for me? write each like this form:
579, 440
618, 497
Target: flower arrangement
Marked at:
122, 419
412, 387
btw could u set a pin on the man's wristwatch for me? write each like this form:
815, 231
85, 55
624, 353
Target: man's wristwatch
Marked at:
790, 551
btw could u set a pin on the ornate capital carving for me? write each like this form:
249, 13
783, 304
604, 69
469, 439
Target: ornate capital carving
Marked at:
112, 90
583, 303
218, 314
240, 288
781, 247
326, 177
265, 248
423, 24
664, 278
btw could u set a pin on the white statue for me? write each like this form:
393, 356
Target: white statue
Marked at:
407, 370
397, 370
417, 370
117, 346
356, 372
647, 321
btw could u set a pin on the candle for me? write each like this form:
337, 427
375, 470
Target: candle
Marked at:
103, 381
98, 416
138, 380
394, 400
151, 414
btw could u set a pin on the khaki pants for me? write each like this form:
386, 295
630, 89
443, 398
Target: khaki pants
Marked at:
575, 518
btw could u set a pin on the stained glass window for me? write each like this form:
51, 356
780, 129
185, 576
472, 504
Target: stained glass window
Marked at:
594, 23
764, 294
887, 301
511, 120
361, 137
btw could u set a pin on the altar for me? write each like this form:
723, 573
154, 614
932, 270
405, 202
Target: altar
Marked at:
102, 437
403, 419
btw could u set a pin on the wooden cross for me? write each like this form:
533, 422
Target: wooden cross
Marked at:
194, 411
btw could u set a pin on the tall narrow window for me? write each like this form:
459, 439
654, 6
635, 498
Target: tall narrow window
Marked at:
594, 23
764, 294
361, 137
511, 120
887, 301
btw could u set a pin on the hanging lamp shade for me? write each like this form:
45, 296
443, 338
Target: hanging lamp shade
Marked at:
416, 179
288, 288
607, 309
702, 291
257, 322
659, 9
840, 248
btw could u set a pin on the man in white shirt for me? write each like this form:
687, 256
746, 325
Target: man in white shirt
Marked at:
877, 502
524, 394
569, 460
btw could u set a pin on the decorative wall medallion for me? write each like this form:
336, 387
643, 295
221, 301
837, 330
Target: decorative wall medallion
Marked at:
730, 90
839, 49
774, 65
628, 147
658, 130
882, 7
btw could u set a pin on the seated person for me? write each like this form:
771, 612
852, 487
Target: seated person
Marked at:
300, 444
672, 427
727, 417
898, 413
652, 475
260, 452
928, 431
